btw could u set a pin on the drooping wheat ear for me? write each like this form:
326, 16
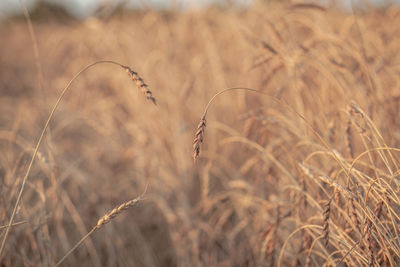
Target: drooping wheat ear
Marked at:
39, 142
196, 151
349, 142
140, 83
104, 220
327, 212
198, 137
352, 212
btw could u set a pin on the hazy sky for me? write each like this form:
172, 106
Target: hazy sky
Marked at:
82, 8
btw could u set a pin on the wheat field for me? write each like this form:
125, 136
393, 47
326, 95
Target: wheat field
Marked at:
302, 168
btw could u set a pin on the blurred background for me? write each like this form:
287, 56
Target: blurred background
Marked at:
304, 174
85, 8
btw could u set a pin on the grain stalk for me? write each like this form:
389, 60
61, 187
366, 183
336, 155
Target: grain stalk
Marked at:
133, 75
104, 220
199, 135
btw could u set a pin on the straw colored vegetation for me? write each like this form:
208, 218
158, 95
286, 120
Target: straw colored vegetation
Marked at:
298, 167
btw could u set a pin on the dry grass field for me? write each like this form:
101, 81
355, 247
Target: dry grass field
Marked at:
303, 172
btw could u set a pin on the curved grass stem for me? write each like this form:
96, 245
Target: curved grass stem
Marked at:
39, 142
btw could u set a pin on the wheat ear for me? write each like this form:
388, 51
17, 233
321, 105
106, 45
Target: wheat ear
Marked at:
35, 152
104, 220
140, 83
199, 136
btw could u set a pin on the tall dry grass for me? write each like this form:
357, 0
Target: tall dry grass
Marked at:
306, 176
